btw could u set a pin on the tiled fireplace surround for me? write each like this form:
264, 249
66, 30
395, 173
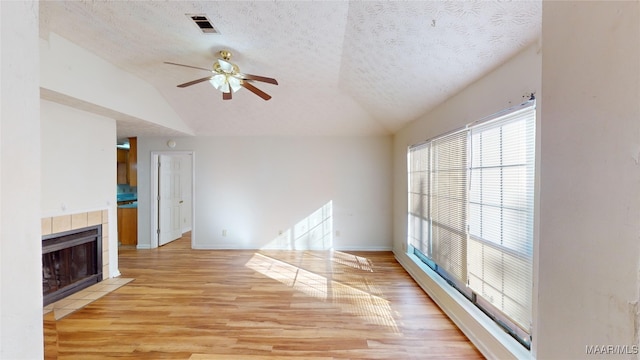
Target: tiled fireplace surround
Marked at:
56, 224
73, 302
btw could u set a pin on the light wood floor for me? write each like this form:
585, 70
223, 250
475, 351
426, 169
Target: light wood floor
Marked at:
200, 304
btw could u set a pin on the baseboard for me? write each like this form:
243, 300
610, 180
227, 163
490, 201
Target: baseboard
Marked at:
227, 247
381, 248
115, 274
484, 333
214, 247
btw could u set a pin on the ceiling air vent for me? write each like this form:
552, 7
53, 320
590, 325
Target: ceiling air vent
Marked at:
203, 23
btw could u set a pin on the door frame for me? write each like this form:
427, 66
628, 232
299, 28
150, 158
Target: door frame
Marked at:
155, 156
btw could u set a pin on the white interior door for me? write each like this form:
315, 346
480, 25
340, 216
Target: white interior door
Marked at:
169, 198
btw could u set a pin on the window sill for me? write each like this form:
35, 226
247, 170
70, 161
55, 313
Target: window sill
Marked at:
486, 335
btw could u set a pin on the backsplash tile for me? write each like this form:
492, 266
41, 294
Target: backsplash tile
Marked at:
124, 188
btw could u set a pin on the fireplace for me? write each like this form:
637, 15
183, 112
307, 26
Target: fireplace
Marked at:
71, 261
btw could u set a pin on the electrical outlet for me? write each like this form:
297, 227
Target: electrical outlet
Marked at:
224, 232
337, 233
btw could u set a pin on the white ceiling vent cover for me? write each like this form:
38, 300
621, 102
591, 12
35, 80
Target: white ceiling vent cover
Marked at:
203, 23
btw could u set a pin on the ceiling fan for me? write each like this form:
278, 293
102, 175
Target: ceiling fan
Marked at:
228, 79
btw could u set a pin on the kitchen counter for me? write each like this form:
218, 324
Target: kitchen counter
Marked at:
132, 205
127, 200
130, 196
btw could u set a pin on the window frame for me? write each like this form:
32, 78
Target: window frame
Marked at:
523, 336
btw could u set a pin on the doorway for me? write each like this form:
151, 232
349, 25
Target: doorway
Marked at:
172, 201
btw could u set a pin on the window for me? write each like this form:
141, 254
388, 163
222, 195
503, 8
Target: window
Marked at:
419, 178
471, 213
449, 204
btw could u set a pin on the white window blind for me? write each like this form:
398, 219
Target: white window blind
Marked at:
419, 184
501, 213
449, 204
471, 198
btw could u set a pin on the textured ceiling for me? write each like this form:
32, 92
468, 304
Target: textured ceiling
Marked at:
344, 68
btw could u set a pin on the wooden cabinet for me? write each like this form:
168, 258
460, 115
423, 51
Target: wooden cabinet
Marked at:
122, 173
128, 226
128, 164
123, 155
133, 162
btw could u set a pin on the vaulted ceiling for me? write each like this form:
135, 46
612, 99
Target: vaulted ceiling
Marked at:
343, 67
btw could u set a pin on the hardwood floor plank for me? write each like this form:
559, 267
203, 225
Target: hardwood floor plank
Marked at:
252, 357
50, 336
253, 305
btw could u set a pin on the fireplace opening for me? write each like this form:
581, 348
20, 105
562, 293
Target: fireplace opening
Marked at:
71, 261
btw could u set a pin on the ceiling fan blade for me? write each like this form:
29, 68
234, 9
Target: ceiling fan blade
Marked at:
189, 66
194, 82
255, 90
226, 95
258, 78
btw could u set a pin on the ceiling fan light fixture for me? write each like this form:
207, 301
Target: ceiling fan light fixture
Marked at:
225, 66
234, 83
225, 83
218, 81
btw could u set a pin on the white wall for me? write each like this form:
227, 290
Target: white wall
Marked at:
77, 73
79, 166
187, 184
255, 187
503, 88
587, 80
20, 243
590, 178
506, 86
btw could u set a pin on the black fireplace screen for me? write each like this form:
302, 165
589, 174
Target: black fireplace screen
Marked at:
71, 261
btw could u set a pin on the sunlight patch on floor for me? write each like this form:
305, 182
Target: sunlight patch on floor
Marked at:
353, 261
373, 308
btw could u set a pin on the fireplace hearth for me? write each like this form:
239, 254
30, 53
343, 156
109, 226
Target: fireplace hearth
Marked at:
71, 261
